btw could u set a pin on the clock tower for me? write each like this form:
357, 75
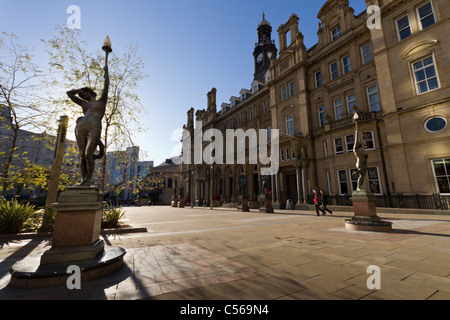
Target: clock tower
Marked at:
264, 49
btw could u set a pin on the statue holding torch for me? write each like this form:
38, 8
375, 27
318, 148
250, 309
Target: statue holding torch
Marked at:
361, 156
89, 127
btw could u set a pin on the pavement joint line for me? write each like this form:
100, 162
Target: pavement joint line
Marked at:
260, 236
206, 230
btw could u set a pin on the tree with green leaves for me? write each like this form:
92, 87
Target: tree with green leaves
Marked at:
73, 66
20, 110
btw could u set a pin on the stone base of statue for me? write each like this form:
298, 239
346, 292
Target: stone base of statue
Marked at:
365, 218
75, 242
243, 200
174, 202
181, 203
266, 204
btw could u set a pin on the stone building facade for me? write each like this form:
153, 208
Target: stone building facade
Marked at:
396, 77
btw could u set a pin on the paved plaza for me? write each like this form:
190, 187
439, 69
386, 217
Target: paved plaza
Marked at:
224, 254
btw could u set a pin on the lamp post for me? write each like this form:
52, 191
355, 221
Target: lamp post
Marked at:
211, 188
191, 195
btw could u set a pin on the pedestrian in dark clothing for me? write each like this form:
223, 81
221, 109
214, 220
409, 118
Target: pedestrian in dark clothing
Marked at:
317, 202
324, 198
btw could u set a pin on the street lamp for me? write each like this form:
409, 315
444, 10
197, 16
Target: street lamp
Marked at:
107, 47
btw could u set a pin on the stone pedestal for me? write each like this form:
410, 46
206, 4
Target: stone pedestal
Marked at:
365, 218
76, 241
244, 204
181, 203
266, 204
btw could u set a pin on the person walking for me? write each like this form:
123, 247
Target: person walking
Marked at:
317, 202
324, 198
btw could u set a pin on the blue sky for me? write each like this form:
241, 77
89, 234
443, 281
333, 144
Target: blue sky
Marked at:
189, 47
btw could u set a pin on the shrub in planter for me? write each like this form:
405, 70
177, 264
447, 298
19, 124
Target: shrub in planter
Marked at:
112, 216
17, 217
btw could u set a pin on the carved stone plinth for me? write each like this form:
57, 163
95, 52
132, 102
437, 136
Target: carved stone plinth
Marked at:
244, 204
76, 241
266, 204
365, 218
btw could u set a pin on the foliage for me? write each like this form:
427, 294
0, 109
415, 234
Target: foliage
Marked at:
74, 67
20, 108
48, 221
112, 216
16, 217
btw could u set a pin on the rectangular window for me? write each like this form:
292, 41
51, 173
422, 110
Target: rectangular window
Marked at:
289, 125
366, 53
374, 101
425, 75
283, 93
264, 106
335, 33
338, 110
349, 143
403, 28
269, 133
321, 116
282, 155
250, 114
368, 141
441, 171
426, 15
346, 64
354, 178
342, 179
291, 89
374, 180
334, 72
351, 102
318, 78
325, 149
338, 147
287, 154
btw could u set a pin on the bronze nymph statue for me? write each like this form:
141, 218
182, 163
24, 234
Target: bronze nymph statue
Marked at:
89, 127
361, 156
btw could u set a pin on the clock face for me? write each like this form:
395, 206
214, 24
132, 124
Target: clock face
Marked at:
260, 57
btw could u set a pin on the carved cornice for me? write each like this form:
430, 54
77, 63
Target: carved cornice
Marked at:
417, 47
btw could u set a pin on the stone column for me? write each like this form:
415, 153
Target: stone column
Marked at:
304, 185
272, 183
277, 186
297, 174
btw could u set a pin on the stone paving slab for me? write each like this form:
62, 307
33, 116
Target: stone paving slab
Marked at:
228, 255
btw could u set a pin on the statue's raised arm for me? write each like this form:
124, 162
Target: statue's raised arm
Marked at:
89, 127
106, 85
